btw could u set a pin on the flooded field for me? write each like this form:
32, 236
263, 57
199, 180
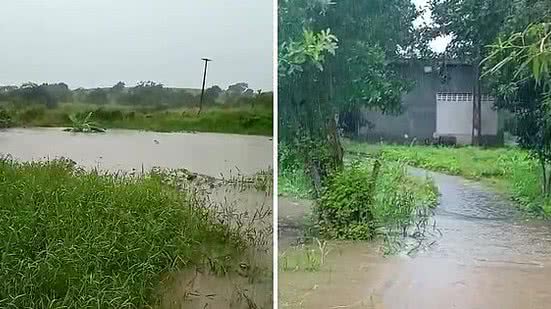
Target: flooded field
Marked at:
247, 207
204, 153
483, 255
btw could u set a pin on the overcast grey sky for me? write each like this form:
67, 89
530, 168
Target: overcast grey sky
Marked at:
90, 43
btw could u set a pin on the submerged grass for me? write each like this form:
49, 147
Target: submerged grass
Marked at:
76, 239
294, 183
510, 169
305, 258
370, 198
292, 179
224, 119
358, 203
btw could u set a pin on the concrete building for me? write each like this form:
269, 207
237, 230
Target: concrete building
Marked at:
440, 104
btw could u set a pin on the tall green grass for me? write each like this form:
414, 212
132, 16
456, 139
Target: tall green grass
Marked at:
511, 169
76, 239
359, 203
292, 179
223, 119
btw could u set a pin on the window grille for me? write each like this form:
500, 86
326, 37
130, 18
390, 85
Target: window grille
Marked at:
460, 97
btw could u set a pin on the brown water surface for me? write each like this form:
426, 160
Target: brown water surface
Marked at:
487, 256
204, 153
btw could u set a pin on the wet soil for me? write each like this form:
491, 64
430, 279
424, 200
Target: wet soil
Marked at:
485, 255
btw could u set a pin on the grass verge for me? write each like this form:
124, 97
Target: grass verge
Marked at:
510, 169
229, 119
76, 239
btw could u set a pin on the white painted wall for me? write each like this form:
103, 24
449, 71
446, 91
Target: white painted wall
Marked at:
454, 116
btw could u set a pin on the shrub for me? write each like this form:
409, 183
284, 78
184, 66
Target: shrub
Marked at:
345, 207
365, 200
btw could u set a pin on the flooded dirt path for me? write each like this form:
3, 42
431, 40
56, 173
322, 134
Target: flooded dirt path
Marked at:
487, 256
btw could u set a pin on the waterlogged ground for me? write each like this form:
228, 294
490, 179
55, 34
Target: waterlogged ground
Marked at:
203, 156
482, 254
204, 153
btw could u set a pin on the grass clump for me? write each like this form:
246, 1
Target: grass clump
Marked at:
370, 198
76, 239
305, 258
292, 178
510, 169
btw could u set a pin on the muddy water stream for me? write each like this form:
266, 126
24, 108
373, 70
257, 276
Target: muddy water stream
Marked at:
487, 256
208, 155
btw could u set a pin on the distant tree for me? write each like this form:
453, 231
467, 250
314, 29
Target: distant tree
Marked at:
118, 87
212, 93
97, 96
236, 91
36, 94
146, 93
249, 93
60, 92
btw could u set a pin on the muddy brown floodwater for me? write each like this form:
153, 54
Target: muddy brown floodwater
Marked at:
204, 153
487, 256
250, 284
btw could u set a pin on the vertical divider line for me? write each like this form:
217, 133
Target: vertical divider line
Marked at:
275, 139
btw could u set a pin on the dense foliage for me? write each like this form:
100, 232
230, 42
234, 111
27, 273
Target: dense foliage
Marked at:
144, 94
334, 59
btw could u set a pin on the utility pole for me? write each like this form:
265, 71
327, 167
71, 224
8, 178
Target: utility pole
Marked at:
206, 60
477, 104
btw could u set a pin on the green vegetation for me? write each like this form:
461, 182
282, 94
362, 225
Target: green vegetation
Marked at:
308, 258
238, 119
76, 239
363, 200
520, 69
146, 106
292, 180
335, 58
513, 170
83, 124
371, 198
5, 119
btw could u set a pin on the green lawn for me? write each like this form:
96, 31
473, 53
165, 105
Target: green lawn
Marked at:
510, 169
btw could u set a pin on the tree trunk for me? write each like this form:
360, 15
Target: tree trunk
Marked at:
335, 146
544, 179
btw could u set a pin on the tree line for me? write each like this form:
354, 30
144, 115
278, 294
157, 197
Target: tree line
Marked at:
143, 94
